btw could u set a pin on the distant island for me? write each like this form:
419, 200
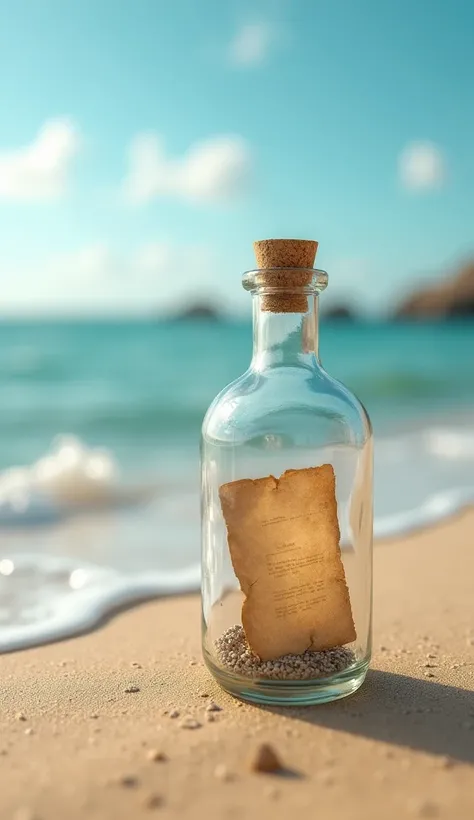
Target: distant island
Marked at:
448, 298
343, 312
199, 311
453, 297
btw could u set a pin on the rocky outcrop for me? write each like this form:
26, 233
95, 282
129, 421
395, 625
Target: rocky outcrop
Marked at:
199, 311
450, 298
339, 312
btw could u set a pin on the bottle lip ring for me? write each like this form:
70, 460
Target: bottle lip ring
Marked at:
306, 280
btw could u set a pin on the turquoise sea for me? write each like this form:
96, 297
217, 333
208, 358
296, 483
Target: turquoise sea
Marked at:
109, 512
137, 387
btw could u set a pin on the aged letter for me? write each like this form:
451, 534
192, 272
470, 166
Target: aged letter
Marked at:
283, 538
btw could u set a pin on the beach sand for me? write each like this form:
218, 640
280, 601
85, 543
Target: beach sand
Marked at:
74, 742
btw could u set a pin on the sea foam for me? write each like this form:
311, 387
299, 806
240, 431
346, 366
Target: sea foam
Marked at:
70, 478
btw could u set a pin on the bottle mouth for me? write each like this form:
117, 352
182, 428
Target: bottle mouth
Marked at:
278, 280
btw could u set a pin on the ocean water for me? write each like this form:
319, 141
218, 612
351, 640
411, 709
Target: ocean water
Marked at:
99, 432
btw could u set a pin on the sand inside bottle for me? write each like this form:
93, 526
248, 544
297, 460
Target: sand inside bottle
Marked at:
235, 655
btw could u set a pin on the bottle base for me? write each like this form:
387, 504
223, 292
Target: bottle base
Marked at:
294, 692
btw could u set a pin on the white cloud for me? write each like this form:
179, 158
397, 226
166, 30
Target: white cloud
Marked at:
86, 264
96, 279
40, 170
213, 170
422, 166
251, 44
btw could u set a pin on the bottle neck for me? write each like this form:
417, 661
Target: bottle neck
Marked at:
284, 339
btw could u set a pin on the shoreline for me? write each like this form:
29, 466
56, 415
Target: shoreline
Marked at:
403, 746
108, 592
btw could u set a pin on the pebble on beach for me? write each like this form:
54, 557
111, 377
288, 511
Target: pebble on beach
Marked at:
131, 689
129, 781
190, 723
265, 760
221, 772
155, 756
426, 809
153, 801
447, 762
235, 654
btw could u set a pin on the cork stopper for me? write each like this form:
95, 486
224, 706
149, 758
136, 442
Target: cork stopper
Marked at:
296, 258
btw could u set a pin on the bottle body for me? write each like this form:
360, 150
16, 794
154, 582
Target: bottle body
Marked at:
285, 414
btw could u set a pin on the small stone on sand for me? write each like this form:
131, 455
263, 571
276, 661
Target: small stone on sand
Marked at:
204, 695
20, 716
153, 801
221, 772
213, 707
29, 731
132, 689
265, 759
190, 723
136, 665
129, 781
447, 763
175, 713
427, 809
210, 717
156, 756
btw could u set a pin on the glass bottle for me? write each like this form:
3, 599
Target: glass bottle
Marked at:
286, 458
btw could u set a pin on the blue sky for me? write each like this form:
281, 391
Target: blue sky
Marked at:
145, 145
